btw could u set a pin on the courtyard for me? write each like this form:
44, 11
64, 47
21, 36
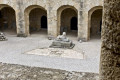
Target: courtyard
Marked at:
30, 24
13, 52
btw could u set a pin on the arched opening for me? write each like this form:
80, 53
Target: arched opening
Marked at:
68, 20
44, 22
74, 23
36, 20
95, 22
7, 20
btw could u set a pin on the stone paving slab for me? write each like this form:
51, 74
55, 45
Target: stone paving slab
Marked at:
56, 52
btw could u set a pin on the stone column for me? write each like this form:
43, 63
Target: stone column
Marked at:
20, 20
86, 28
52, 22
82, 28
110, 54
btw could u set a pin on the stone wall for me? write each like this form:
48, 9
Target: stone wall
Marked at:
18, 72
23, 7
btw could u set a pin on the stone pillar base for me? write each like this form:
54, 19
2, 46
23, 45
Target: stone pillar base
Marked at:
21, 35
82, 39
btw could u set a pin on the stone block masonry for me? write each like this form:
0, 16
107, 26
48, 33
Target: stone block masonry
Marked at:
71, 14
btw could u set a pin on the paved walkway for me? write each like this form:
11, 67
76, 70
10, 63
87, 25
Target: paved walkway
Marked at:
11, 51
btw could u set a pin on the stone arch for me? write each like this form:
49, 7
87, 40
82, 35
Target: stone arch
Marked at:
90, 13
8, 17
6, 5
60, 10
27, 13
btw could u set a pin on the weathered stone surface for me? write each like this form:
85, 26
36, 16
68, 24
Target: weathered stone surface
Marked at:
110, 54
18, 72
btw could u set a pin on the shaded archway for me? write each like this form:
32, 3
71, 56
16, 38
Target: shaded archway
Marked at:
7, 19
96, 18
95, 22
34, 21
66, 14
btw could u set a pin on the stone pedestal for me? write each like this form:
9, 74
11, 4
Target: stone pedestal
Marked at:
62, 42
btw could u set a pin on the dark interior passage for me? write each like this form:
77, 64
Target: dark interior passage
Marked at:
1, 15
44, 22
100, 26
74, 23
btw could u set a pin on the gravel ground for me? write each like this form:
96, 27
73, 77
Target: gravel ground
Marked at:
19, 72
11, 52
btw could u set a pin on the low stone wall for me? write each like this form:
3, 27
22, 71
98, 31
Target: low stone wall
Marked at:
19, 72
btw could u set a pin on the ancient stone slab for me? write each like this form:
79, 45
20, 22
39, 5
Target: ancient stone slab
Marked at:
57, 52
